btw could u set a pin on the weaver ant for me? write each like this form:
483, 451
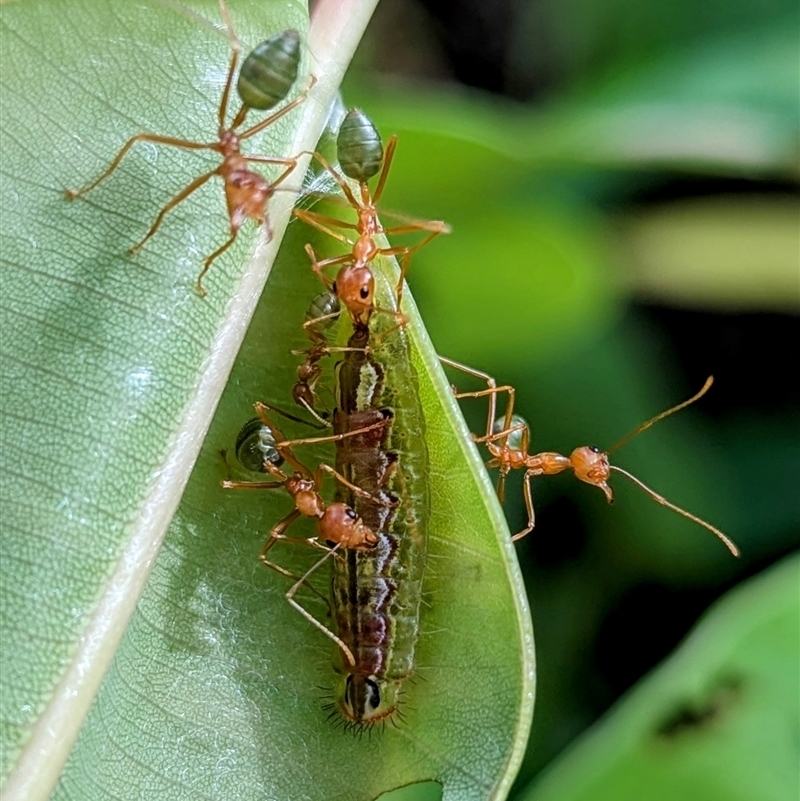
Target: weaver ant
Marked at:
361, 157
266, 76
320, 314
338, 525
507, 440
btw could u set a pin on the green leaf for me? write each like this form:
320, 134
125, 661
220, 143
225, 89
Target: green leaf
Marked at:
716, 722
213, 689
726, 106
216, 648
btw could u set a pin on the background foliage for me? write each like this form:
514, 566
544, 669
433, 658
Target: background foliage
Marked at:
639, 164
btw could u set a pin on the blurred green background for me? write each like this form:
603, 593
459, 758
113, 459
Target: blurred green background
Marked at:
621, 179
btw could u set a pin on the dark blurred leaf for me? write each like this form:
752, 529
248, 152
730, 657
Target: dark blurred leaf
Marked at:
717, 721
558, 43
726, 107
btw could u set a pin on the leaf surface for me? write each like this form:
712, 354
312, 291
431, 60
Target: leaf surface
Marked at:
112, 369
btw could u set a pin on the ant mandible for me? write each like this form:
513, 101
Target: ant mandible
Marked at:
266, 76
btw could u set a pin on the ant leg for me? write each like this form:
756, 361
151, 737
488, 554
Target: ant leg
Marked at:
309, 617
287, 415
248, 485
281, 443
290, 164
464, 368
412, 225
317, 266
313, 412
269, 230
277, 115
491, 384
276, 533
207, 263
529, 505
71, 194
357, 490
235, 47
333, 437
179, 198
404, 262
284, 446
322, 221
309, 324
491, 391
501, 485
507, 432
276, 536
401, 321
388, 155
406, 252
343, 185
333, 348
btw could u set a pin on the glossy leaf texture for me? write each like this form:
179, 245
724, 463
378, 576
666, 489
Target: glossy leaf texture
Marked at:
114, 358
718, 720
112, 368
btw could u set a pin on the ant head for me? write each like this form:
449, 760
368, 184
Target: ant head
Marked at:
591, 465
355, 287
302, 393
340, 525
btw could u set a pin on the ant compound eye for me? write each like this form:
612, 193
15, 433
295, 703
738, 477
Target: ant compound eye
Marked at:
593, 449
351, 514
348, 690
364, 292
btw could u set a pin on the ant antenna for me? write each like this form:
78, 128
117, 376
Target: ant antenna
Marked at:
727, 541
729, 544
653, 420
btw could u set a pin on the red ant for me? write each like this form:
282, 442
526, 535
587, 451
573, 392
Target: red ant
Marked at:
361, 157
321, 312
508, 438
266, 77
338, 525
